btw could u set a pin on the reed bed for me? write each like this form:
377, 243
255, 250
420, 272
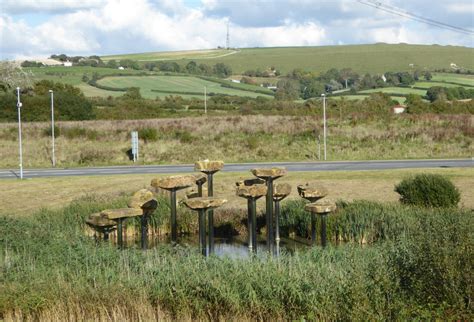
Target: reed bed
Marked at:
416, 265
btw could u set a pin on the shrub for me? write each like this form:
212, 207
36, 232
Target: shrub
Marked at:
48, 131
184, 136
148, 134
428, 190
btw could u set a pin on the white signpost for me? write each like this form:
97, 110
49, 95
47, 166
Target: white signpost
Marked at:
135, 146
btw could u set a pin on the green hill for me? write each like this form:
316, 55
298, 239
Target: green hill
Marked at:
376, 58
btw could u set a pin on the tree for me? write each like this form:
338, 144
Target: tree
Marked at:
428, 76
132, 93
112, 64
222, 70
288, 89
11, 77
192, 68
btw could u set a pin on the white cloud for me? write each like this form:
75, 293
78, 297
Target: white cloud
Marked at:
121, 26
23, 6
463, 8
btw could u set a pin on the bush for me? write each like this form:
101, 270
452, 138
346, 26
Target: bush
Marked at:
148, 134
47, 132
428, 190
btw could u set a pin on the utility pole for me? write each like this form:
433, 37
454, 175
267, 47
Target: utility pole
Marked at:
53, 159
18, 104
324, 124
227, 42
205, 100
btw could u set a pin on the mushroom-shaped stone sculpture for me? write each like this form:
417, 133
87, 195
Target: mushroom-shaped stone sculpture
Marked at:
251, 191
312, 192
321, 207
142, 203
280, 192
201, 205
209, 168
102, 225
201, 178
269, 175
173, 184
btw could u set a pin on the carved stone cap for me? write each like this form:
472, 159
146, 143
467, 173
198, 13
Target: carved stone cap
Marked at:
204, 203
174, 182
269, 172
194, 193
254, 191
249, 182
140, 198
96, 220
281, 191
200, 178
121, 213
323, 206
207, 166
312, 192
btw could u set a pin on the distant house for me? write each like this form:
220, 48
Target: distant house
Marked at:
398, 109
67, 63
272, 87
383, 78
235, 81
121, 68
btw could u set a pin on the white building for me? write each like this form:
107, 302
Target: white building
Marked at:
67, 63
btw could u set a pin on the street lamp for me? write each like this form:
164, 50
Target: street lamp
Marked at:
18, 104
52, 126
324, 123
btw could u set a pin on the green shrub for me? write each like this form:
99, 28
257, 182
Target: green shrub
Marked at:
148, 134
184, 136
428, 190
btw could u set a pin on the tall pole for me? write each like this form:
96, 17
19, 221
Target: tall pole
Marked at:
324, 123
205, 100
18, 104
52, 126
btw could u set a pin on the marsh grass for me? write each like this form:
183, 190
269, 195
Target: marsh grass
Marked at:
418, 265
243, 138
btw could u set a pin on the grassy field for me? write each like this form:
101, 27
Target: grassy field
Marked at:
454, 78
399, 99
376, 58
242, 139
378, 186
431, 84
395, 90
173, 85
173, 55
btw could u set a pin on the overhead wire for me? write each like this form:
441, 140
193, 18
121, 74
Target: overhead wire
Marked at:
403, 13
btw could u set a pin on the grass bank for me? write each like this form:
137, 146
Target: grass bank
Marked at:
242, 139
418, 267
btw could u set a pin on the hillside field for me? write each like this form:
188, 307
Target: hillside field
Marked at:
376, 58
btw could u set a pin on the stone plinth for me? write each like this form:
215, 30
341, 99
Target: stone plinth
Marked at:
204, 203
266, 173
250, 182
207, 166
200, 178
97, 221
140, 198
253, 191
121, 213
323, 206
174, 182
281, 191
312, 192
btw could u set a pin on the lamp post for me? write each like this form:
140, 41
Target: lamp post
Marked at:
52, 126
18, 104
324, 123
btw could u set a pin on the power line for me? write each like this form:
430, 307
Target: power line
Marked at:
403, 13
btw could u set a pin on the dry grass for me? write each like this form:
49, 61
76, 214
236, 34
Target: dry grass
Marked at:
242, 138
19, 198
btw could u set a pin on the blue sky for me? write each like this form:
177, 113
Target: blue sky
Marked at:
38, 28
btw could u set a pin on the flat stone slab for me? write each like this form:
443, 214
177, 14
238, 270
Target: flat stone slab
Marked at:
204, 203
96, 220
322, 206
207, 166
174, 182
121, 213
140, 198
200, 178
281, 191
312, 192
265, 173
249, 182
254, 191
194, 193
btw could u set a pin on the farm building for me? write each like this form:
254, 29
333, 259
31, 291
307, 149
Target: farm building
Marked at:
398, 109
67, 64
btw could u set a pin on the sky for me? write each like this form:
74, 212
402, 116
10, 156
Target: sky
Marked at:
39, 28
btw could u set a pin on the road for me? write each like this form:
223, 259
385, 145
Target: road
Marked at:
241, 167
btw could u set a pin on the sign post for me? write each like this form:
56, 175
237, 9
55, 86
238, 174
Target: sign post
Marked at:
135, 146
19, 104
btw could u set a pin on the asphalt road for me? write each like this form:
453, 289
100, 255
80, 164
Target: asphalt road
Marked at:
241, 167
